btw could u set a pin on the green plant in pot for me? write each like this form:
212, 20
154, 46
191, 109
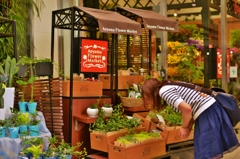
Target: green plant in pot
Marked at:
2, 128
107, 108
92, 110
32, 106
65, 150
34, 124
36, 151
23, 119
22, 104
29, 141
13, 124
9, 68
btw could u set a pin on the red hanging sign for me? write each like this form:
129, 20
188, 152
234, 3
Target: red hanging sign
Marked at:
94, 55
219, 63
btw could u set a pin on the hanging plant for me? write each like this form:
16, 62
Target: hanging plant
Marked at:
234, 40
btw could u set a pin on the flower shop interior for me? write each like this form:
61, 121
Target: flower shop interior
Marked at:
75, 57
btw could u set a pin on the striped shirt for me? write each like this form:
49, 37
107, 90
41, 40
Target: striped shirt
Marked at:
174, 95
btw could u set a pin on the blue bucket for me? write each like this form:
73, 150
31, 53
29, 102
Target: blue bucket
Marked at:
34, 130
32, 107
2, 132
22, 106
23, 130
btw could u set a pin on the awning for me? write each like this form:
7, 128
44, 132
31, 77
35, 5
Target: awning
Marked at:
113, 22
150, 19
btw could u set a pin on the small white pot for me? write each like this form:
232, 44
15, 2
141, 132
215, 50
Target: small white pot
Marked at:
92, 113
107, 111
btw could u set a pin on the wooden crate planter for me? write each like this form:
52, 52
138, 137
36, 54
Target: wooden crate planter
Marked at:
83, 88
100, 141
124, 81
151, 149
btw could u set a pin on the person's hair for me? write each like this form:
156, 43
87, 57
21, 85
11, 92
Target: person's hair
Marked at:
150, 94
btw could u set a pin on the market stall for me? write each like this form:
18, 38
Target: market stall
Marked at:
86, 19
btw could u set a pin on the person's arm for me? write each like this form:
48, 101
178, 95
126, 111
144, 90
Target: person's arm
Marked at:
186, 118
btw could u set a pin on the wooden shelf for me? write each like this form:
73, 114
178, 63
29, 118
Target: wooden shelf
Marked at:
84, 118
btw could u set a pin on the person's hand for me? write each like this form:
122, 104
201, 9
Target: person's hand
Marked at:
184, 132
191, 124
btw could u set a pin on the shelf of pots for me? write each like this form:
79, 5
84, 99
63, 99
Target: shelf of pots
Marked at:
8, 69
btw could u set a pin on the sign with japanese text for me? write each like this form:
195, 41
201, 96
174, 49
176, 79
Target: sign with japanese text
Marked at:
219, 63
94, 55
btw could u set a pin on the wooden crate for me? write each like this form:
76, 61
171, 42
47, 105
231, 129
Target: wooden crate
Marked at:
83, 88
100, 141
124, 81
142, 151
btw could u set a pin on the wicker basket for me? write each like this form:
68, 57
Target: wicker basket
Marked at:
131, 102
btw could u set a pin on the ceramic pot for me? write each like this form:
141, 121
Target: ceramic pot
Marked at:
107, 111
92, 113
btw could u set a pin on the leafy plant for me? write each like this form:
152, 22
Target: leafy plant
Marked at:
65, 149
34, 119
31, 81
95, 105
13, 120
3, 123
23, 85
52, 141
36, 151
106, 105
2, 91
234, 40
171, 117
10, 68
23, 118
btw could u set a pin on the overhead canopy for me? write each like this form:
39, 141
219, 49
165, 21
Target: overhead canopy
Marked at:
113, 22
150, 19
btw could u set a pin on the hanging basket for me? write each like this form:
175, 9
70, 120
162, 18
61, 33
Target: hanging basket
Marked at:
131, 102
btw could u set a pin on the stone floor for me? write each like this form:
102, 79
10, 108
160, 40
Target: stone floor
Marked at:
236, 153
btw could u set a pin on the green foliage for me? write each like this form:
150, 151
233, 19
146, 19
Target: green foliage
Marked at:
36, 151
31, 81
23, 85
34, 119
118, 120
234, 40
2, 91
65, 149
23, 118
19, 11
3, 123
95, 105
171, 117
106, 105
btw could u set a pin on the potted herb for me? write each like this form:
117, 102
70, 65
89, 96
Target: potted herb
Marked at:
52, 141
23, 119
50, 153
34, 124
36, 151
107, 108
27, 142
65, 150
2, 128
92, 110
9, 68
22, 104
13, 124
32, 106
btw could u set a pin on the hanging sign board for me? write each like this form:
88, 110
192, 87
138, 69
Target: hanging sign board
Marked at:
94, 55
219, 63
233, 72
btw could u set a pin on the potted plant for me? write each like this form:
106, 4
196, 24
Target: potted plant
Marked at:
36, 151
13, 124
52, 141
107, 108
22, 104
27, 142
2, 128
9, 68
32, 106
65, 150
50, 153
44, 67
92, 110
23, 119
34, 124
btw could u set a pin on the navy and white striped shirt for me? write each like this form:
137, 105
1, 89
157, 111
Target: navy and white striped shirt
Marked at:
174, 95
